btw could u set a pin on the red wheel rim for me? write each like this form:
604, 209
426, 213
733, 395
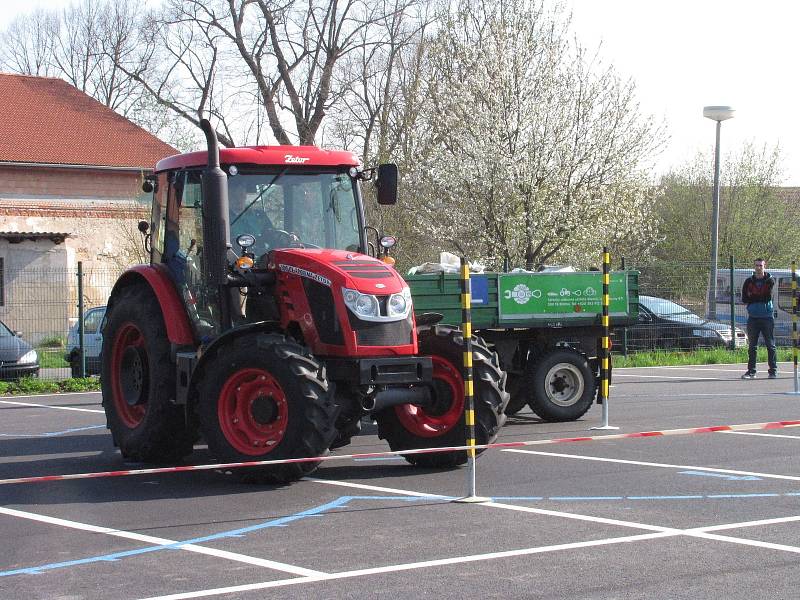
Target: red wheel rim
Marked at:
129, 375
448, 408
253, 412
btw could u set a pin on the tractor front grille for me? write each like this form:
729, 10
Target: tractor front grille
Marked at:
320, 299
370, 333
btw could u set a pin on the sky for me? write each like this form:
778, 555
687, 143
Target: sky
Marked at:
684, 55
687, 54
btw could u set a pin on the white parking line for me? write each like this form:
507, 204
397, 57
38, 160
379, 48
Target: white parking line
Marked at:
661, 396
657, 532
652, 464
149, 539
698, 367
408, 567
665, 377
703, 369
775, 435
373, 488
91, 410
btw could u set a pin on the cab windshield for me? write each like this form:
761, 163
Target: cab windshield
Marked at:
283, 209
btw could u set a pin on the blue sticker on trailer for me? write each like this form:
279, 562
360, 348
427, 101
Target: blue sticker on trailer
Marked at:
479, 287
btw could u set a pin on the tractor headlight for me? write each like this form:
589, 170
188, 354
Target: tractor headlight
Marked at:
28, 358
363, 305
367, 306
373, 308
399, 304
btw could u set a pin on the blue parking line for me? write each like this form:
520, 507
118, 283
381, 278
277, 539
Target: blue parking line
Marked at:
241, 532
584, 498
50, 433
721, 475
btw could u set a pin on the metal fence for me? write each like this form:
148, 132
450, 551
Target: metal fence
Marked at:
676, 314
41, 307
44, 307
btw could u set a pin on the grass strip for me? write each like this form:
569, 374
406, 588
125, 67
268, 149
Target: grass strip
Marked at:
33, 385
716, 356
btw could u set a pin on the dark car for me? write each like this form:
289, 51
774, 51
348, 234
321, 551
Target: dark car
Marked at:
17, 357
664, 324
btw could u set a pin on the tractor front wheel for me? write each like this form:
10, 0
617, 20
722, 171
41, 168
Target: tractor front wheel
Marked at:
263, 397
442, 423
138, 380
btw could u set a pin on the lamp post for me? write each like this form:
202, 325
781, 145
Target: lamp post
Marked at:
718, 114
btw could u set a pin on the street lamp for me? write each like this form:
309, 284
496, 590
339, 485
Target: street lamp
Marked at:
718, 114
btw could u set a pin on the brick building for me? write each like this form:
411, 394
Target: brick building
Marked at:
71, 171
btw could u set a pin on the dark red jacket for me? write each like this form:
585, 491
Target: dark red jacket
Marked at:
757, 295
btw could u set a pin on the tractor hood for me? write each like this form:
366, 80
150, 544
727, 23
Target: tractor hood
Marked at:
346, 304
339, 268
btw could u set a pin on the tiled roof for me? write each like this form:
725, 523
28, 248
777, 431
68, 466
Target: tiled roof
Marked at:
47, 120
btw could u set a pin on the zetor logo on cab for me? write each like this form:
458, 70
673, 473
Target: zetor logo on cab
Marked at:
289, 158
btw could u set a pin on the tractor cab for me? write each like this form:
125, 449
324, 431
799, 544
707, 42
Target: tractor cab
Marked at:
274, 198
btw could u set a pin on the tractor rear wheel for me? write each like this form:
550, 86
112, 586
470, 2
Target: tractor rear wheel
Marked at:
138, 381
442, 424
263, 397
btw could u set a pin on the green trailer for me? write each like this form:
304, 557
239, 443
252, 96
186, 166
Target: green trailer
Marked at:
545, 327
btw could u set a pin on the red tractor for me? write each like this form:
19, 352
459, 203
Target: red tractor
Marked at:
276, 347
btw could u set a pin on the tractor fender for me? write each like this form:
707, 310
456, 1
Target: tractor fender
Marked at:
235, 333
179, 331
226, 338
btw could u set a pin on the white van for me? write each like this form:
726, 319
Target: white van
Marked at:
92, 342
781, 299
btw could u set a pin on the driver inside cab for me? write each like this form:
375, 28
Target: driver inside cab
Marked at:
245, 215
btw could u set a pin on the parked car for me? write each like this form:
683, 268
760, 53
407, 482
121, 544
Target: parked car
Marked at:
92, 342
17, 357
664, 324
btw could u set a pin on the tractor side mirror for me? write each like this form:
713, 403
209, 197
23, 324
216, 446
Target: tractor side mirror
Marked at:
144, 226
387, 184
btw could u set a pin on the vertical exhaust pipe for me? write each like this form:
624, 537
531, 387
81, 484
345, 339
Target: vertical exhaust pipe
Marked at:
216, 232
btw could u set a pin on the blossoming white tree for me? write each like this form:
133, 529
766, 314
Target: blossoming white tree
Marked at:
528, 149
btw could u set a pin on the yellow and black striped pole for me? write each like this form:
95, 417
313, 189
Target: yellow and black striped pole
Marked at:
795, 340
605, 344
469, 400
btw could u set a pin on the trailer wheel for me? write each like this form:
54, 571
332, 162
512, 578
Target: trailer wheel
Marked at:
562, 386
263, 397
138, 380
409, 426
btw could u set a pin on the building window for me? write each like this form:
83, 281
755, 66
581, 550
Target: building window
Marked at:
2, 283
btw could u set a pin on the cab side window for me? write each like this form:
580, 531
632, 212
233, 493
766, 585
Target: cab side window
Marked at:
183, 250
159, 217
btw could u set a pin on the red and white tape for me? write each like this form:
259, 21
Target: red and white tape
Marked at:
261, 463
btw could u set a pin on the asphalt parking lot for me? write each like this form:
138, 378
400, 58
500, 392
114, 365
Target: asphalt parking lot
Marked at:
666, 516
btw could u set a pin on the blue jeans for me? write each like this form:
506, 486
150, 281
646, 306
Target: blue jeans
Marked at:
765, 327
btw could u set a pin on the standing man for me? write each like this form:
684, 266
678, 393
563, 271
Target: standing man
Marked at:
757, 295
